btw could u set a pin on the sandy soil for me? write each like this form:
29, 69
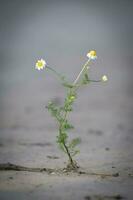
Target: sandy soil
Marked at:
28, 137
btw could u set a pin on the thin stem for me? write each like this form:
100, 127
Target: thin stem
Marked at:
65, 146
85, 65
58, 74
66, 112
67, 151
65, 116
95, 80
69, 155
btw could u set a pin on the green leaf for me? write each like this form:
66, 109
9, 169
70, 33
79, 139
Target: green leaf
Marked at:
65, 84
85, 79
61, 146
74, 142
86, 76
61, 138
67, 126
55, 111
68, 109
75, 153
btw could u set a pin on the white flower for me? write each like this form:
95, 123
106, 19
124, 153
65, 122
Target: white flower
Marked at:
40, 64
104, 78
92, 55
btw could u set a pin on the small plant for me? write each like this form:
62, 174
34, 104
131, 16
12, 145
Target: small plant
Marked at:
61, 113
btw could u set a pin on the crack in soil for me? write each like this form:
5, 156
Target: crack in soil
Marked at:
63, 171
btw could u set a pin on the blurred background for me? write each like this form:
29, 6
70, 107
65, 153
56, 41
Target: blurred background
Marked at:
62, 32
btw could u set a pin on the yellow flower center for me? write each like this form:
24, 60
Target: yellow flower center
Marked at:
93, 53
40, 63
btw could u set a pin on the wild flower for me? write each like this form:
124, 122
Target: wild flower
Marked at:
40, 64
61, 113
92, 55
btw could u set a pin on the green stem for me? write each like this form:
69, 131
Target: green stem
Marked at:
64, 144
69, 155
60, 76
84, 67
95, 81
66, 112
